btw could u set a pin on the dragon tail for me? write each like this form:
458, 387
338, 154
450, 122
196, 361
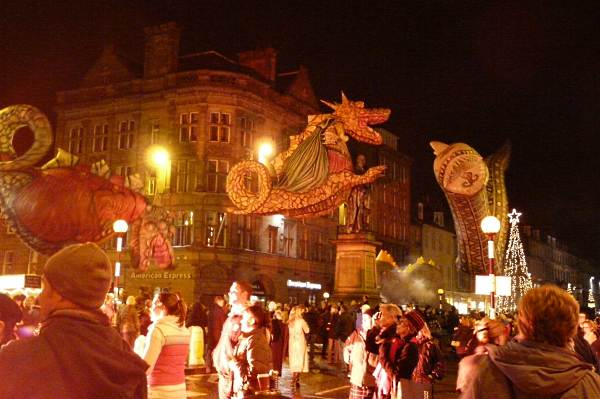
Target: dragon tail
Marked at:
12, 119
242, 196
497, 164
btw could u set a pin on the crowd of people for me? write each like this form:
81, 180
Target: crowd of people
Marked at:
86, 346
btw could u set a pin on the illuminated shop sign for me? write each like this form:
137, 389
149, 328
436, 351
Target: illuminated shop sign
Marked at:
20, 281
303, 284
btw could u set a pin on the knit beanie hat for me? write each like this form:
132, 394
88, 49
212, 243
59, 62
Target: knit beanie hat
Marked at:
415, 319
81, 273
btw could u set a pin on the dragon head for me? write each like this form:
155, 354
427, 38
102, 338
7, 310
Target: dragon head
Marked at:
356, 119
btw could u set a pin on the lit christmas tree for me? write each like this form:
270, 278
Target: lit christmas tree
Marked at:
515, 267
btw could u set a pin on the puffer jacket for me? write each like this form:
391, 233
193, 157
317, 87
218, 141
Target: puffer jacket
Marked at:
251, 357
527, 370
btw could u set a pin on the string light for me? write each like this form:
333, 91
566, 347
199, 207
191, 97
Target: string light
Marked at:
515, 267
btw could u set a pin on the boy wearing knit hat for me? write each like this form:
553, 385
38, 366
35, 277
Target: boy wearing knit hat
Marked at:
77, 351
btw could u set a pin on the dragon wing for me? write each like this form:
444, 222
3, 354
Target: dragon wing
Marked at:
308, 166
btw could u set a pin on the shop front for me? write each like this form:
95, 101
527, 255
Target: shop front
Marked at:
28, 284
300, 292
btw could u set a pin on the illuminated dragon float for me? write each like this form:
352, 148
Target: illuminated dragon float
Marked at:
315, 174
64, 202
474, 188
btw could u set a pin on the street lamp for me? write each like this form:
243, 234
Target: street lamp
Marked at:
120, 227
490, 225
159, 158
440, 292
326, 296
265, 150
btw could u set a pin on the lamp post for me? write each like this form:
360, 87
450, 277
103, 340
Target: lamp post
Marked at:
440, 292
120, 227
490, 225
326, 296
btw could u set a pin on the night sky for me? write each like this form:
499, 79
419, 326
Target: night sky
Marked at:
473, 71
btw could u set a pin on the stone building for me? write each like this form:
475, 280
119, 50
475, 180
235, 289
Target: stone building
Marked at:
550, 261
209, 112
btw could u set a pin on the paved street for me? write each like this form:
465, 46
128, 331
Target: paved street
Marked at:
324, 382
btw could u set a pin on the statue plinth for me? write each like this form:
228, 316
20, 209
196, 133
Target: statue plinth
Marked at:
355, 267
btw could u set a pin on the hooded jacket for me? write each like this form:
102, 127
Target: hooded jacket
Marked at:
527, 370
77, 355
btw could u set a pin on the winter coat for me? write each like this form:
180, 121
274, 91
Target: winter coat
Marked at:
166, 351
128, 320
298, 349
527, 370
77, 355
197, 316
398, 355
361, 362
431, 365
332, 325
251, 357
344, 326
216, 319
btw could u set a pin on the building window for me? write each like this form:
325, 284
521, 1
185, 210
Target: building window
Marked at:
184, 229
247, 132
438, 218
215, 229
188, 127
100, 143
244, 231
216, 175
8, 262
219, 127
287, 239
303, 243
184, 175
76, 140
273, 233
320, 253
126, 129
155, 132
124, 171
151, 184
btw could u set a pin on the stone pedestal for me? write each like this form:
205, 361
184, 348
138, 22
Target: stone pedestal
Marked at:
355, 266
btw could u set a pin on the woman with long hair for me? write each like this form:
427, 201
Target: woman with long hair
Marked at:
298, 349
167, 346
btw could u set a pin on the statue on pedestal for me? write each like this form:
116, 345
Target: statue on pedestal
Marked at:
358, 202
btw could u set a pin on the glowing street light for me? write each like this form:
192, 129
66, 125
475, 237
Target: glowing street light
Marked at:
160, 156
160, 159
265, 150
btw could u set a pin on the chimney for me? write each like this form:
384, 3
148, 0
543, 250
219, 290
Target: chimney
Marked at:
162, 49
263, 61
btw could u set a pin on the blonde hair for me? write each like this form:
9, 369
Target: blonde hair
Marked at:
130, 300
392, 309
295, 313
549, 315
